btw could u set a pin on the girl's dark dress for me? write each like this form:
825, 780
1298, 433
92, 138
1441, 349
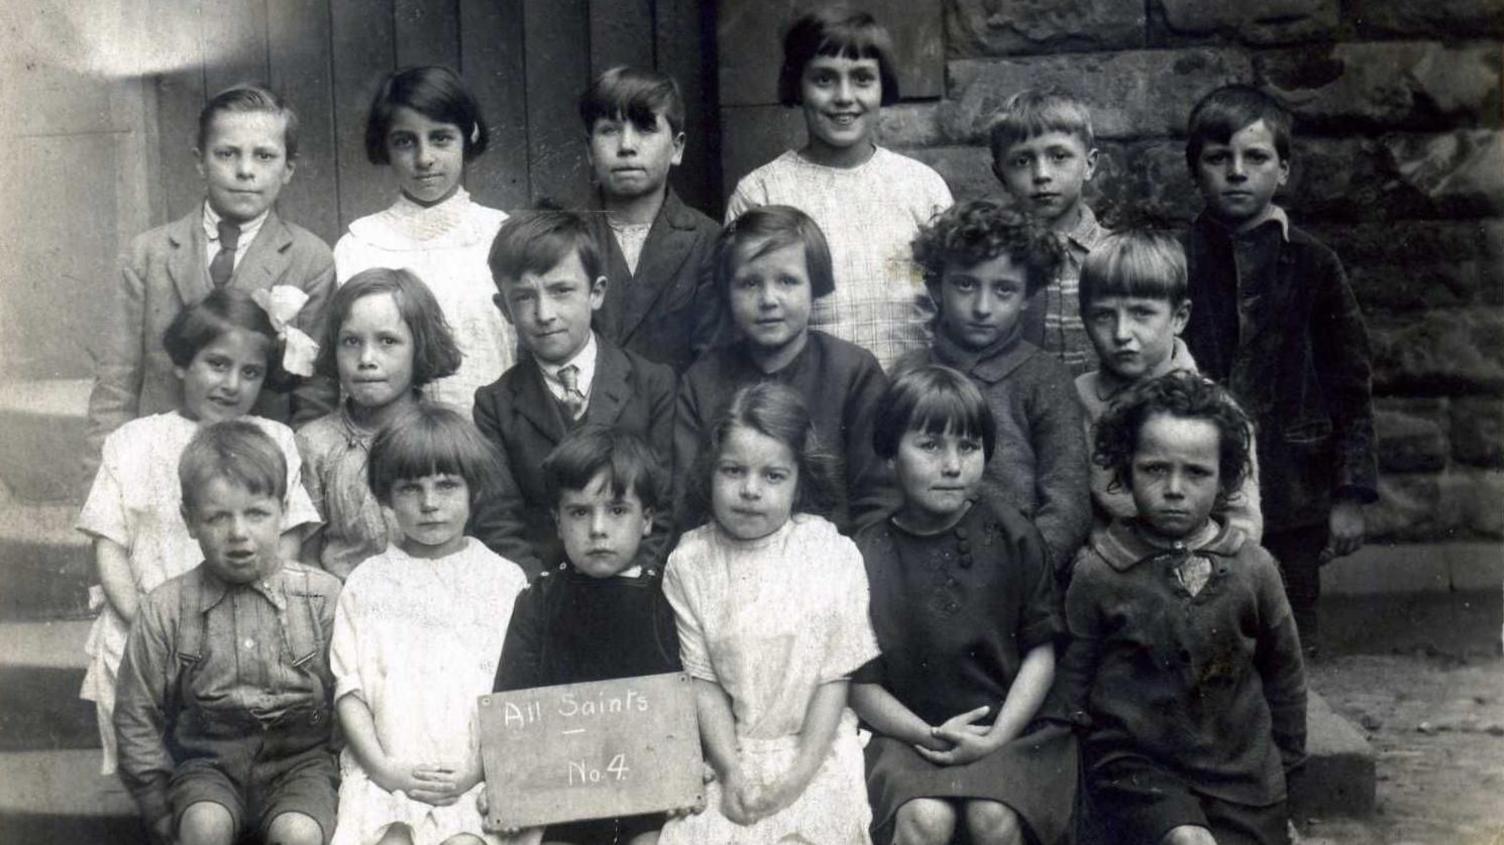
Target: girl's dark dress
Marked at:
955, 615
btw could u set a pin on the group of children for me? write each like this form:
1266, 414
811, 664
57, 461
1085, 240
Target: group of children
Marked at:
844, 461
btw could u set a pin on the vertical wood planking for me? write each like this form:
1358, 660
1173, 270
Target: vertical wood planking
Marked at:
685, 53
234, 44
492, 64
180, 97
362, 42
621, 33
427, 32
300, 70
555, 32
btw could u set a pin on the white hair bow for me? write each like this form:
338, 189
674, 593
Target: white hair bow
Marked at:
282, 304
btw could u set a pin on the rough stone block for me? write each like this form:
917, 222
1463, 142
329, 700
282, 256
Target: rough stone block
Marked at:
1478, 495
1389, 569
1412, 85
1429, 18
1003, 27
967, 170
1144, 176
1134, 94
906, 125
1421, 264
1459, 504
1458, 174
1477, 431
1339, 777
1266, 22
1412, 435
1442, 351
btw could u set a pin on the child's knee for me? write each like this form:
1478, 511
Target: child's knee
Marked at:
925, 820
1188, 834
206, 823
294, 829
992, 821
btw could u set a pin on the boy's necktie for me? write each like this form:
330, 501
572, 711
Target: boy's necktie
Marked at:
574, 400
223, 265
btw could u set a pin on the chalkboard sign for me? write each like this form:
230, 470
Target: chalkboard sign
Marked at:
590, 751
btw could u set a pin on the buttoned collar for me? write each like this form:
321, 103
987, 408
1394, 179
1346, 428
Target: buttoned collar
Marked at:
269, 586
1124, 543
1087, 231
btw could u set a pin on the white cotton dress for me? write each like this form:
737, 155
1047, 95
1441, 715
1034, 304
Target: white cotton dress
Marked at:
869, 214
446, 246
418, 640
136, 501
769, 620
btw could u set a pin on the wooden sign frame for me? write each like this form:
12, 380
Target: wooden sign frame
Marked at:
591, 751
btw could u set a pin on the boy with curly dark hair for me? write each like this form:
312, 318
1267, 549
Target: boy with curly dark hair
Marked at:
983, 262
1183, 674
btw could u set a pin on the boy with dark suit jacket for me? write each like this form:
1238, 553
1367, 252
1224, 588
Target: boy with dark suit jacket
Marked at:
661, 302
247, 146
548, 273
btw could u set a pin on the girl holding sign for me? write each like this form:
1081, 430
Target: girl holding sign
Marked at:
771, 604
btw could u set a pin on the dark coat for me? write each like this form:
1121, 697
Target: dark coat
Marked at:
521, 417
1299, 364
668, 311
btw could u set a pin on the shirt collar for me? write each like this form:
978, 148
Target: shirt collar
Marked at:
248, 229
1087, 231
1124, 544
584, 360
215, 589
1107, 384
1272, 214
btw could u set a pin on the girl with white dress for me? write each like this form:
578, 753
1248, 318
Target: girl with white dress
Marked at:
869, 201
224, 350
771, 606
417, 635
427, 127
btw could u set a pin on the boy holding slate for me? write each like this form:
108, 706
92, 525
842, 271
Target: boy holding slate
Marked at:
601, 614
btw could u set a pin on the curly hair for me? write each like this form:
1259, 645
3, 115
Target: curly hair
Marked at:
969, 233
777, 411
1180, 394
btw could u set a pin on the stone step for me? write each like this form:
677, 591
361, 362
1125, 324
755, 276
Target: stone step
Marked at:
41, 668
45, 565
60, 796
1339, 777
41, 455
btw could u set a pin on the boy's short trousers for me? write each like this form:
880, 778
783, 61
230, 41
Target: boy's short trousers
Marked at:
1137, 803
304, 783
605, 831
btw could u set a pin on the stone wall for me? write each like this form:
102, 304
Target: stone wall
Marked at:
1399, 165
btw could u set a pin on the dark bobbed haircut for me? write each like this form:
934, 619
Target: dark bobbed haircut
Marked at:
1179, 394
1231, 108
244, 99
433, 91
435, 354
635, 94
431, 439
1142, 262
835, 31
1030, 113
933, 399
224, 310
626, 459
968, 233
537, 241
236, 451
777, 411
767, 228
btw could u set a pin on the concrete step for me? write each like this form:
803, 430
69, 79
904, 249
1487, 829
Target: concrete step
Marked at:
59, 796
41, 455
41, 668
1339, 777
45, 565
